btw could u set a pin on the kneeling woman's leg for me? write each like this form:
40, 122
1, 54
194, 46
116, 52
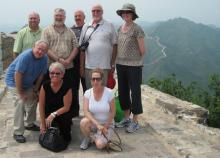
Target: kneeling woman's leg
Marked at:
85, 126
101, 140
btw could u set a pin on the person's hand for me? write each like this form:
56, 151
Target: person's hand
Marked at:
23, 96
112, 69
42, 128
105, 130
100, 127
49, 120
64, 62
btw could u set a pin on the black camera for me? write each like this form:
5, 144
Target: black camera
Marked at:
84, 46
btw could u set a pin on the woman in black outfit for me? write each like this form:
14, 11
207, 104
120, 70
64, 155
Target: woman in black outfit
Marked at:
54, 102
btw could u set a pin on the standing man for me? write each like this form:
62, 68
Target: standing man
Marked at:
63, 45
23, 78
27, 36
101, 51
79, 18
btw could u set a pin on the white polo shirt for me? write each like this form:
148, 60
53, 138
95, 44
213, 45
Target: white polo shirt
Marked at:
99, 51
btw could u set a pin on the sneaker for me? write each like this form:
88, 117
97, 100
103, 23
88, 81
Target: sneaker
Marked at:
33, 128
85, 143
132, 127
123, 123
19, 138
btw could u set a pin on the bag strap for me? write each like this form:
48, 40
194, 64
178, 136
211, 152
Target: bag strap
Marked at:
91, 33
116, 143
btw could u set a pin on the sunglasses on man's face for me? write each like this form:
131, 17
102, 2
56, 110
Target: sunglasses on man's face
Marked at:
96, 79
55, 73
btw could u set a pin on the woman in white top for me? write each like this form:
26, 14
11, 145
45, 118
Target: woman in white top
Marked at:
99, 111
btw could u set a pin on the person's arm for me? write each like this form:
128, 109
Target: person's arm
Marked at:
38, 82
52, 55
72, 55
17, 48
141, 46
42, 110
112, 113
18, 83
114, 54
67, 99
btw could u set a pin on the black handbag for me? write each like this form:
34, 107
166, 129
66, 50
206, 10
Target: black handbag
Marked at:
52, 140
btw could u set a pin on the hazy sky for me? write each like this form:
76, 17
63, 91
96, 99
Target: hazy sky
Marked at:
14, 12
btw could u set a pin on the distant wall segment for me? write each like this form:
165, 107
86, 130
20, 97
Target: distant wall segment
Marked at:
6, 50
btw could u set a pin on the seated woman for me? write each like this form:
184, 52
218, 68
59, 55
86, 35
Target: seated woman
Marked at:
54, 102
99, 111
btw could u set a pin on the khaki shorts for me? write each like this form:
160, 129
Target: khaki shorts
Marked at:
97, 135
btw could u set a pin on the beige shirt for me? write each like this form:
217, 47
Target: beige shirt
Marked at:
61, 43
128, 52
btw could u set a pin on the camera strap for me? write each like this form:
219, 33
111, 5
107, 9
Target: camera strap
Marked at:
91, 33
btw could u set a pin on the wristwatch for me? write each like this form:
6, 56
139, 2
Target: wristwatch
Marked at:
54, 114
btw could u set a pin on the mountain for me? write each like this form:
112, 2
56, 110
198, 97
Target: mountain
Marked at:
191, 51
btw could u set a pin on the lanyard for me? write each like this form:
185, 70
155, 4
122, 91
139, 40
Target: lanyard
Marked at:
90, 34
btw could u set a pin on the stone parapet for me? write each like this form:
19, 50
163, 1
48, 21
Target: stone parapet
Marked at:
6, 51
174, 106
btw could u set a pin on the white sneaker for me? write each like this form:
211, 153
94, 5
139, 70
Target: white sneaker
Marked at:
85, 143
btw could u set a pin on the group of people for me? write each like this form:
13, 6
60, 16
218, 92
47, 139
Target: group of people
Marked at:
49, 64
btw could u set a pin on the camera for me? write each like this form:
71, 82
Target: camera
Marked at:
84, 46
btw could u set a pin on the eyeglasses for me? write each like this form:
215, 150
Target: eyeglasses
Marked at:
126, 12
98, 11
55, 73
96, 79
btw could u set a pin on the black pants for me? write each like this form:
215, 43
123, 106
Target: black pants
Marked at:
75, 89
129, 81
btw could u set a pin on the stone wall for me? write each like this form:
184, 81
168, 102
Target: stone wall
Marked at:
171, 105
6, 50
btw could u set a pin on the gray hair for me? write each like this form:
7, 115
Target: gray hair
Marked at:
60, 10
58, 66
41, 41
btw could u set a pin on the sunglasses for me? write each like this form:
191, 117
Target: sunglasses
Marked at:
96, 79
55, 73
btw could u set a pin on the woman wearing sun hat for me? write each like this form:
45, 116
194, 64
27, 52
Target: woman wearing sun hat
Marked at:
129, 63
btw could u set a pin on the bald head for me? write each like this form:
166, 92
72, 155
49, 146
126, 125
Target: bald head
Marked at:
79, 17
33, 21
97, 6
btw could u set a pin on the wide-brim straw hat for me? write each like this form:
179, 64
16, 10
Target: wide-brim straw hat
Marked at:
128, 7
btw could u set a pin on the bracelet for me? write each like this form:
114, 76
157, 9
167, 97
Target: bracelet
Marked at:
54, 114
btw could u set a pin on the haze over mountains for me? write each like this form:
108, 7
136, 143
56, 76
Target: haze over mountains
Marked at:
191, 51
178, 46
